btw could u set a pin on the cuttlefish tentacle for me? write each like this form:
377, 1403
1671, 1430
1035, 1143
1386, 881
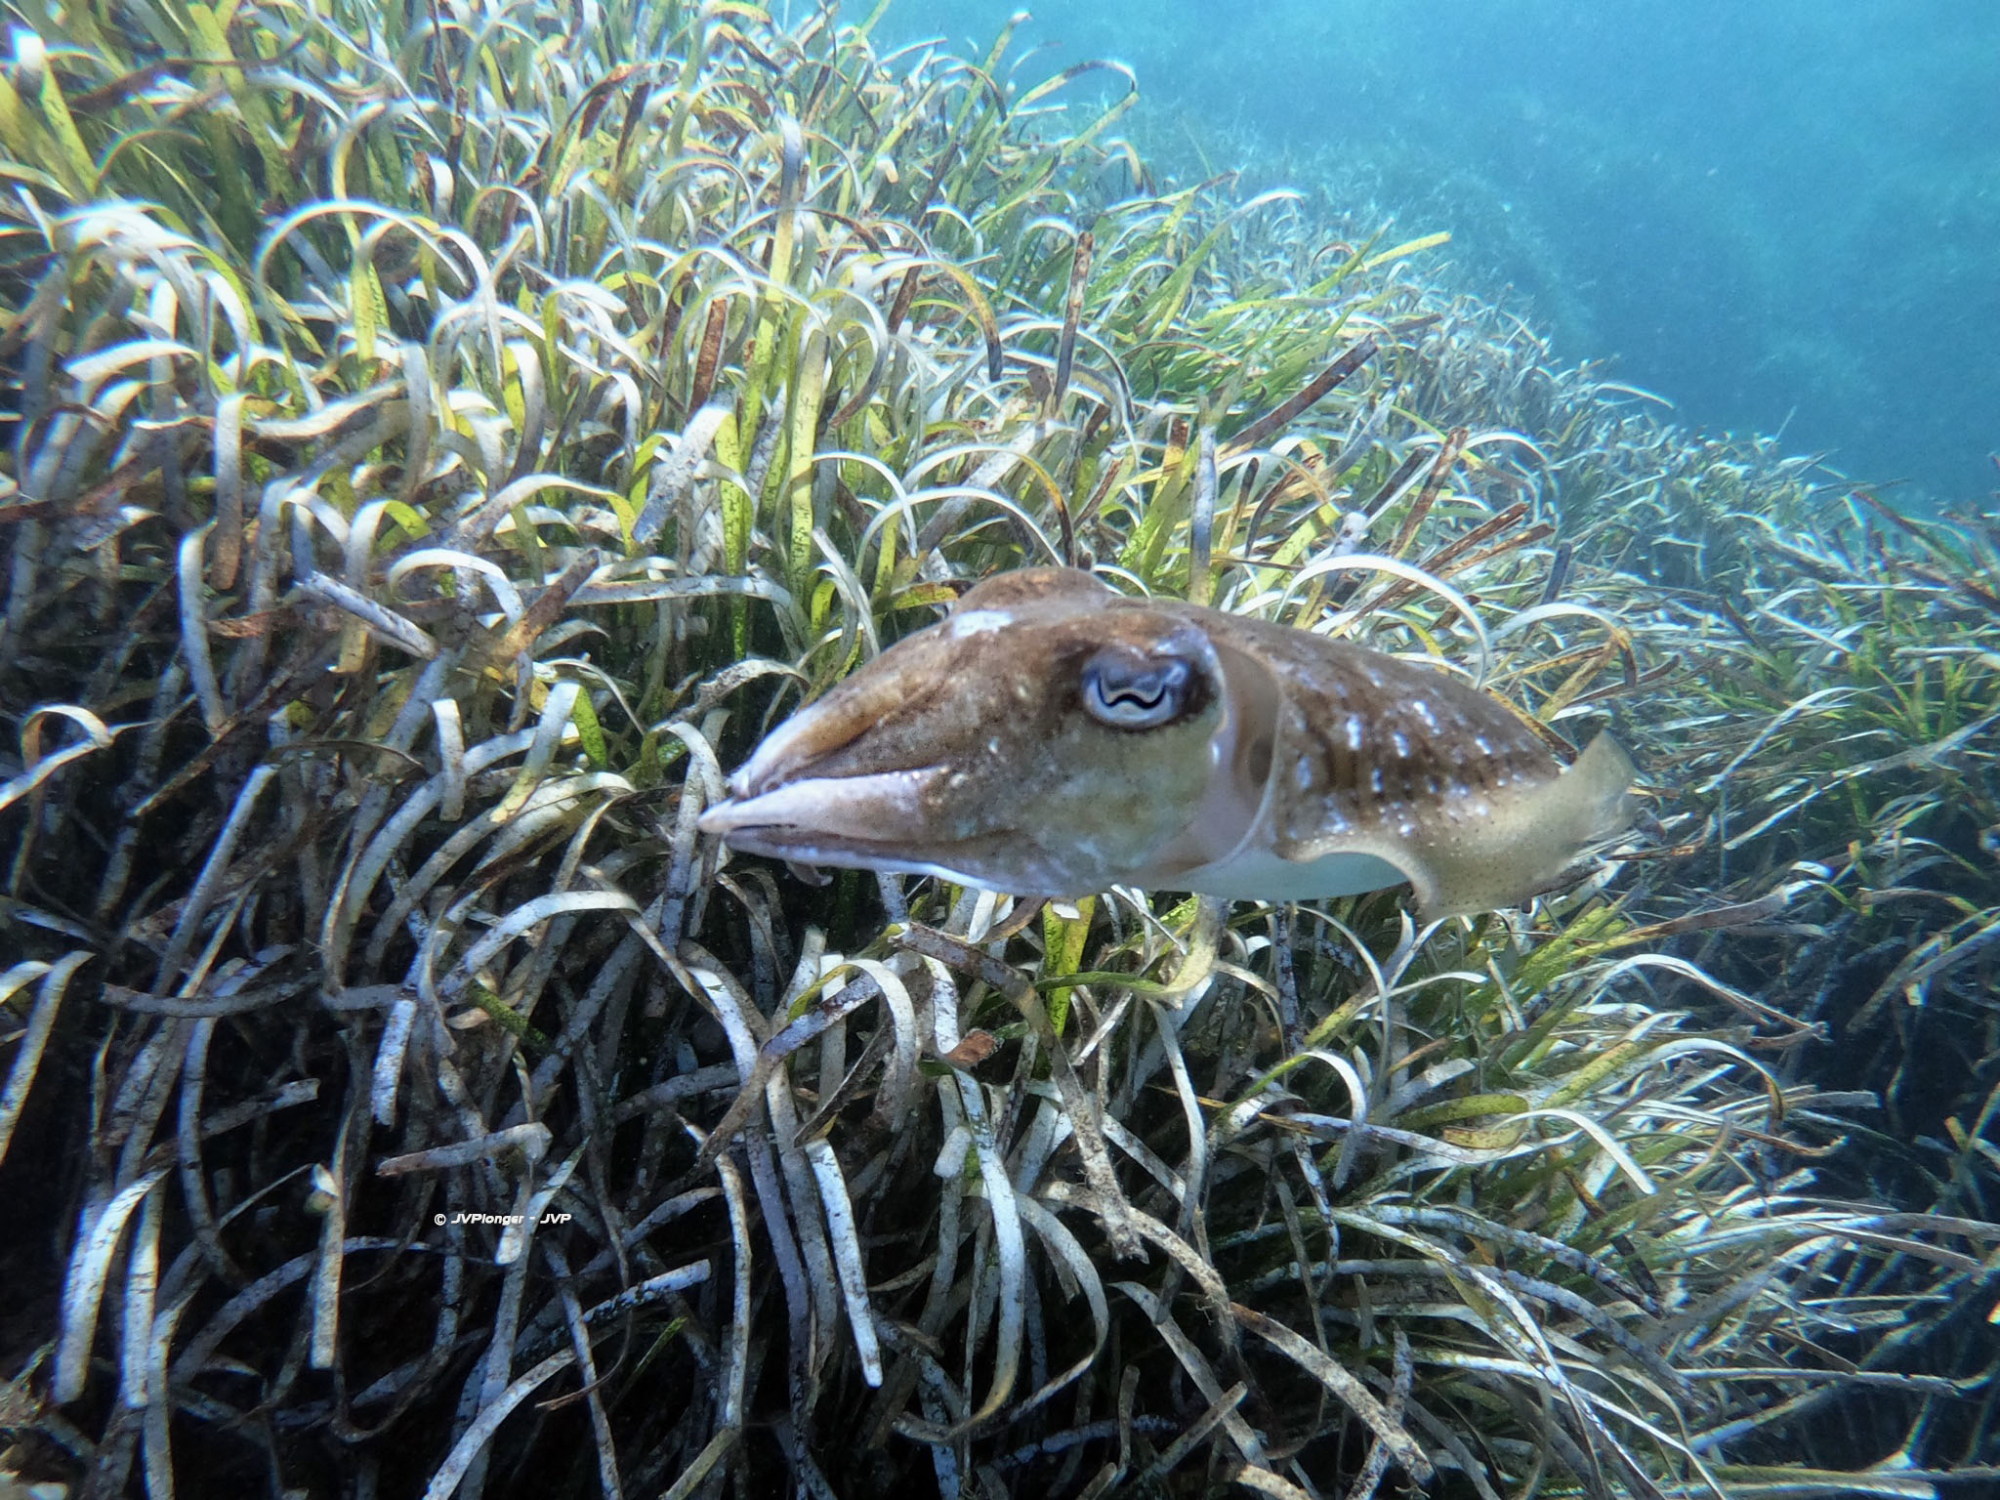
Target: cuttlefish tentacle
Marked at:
1052, 737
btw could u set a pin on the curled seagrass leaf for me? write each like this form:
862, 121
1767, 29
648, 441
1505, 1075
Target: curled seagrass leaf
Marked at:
847, 1257
83, 1292
424, 498
34, 1038
97, 736
531, 1140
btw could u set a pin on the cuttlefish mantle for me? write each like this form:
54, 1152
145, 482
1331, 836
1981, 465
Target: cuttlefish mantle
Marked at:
1052, 738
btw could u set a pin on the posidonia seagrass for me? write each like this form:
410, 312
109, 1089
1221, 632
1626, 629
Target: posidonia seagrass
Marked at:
446, 435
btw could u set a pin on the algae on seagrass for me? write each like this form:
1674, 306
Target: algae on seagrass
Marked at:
447, 435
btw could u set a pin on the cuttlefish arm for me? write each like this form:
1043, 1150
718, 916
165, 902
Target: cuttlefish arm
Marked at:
1051, 737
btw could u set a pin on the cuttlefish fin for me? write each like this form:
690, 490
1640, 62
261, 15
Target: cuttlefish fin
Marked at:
1538, 840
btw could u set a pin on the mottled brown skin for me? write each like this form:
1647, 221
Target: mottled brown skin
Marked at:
1377, 742
1299, 766
997, 712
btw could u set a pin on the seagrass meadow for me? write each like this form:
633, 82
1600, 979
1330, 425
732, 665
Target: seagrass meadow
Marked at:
442, 438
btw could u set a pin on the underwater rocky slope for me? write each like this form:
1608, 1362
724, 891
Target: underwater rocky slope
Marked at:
447, 435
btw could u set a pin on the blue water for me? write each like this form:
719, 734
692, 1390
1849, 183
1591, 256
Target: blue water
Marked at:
1783, 215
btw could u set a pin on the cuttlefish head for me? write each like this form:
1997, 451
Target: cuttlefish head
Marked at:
1053, 738
1042, 740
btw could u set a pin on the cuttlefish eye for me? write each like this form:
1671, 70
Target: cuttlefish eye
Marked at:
1130, 691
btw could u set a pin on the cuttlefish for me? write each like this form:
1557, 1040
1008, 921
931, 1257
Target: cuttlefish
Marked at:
1051, 737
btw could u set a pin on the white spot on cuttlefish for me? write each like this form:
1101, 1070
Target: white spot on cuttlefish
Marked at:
1354, 731
978, 622
1423, 711
1402, 743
